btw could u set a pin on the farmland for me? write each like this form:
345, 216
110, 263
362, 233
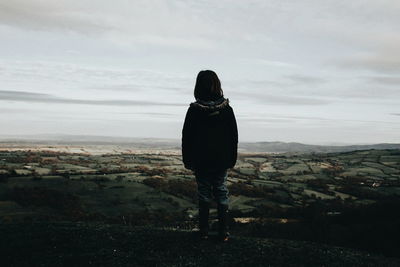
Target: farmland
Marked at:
271, 194
117, 184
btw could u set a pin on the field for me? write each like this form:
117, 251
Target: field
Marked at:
310, 196
113, 185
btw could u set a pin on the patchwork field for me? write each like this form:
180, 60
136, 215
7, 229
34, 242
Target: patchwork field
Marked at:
346, 198
112, 185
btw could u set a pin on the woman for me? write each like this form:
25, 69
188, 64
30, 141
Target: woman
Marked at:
209, 148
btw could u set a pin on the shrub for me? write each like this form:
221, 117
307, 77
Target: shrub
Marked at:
250, 190
179, 188
64, 202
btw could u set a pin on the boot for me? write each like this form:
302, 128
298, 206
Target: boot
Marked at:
204, 210
223, 222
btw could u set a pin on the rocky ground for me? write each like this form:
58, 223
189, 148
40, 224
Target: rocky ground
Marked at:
82, 244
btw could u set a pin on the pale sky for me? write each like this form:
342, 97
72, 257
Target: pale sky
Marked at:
316, 72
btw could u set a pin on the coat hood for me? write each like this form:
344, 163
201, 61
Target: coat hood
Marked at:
214, 105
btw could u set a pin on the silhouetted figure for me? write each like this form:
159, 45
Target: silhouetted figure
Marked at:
209, 148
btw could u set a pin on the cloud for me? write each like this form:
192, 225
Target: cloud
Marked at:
268, 121
376, 63
140, 54
255, 83
136, 87
310, 80
150, 114
125, 23
81, 78
367, 92
292, 100
385, 80
49, 16
267, 62
383, 59
282, 99
22, 96
269, 118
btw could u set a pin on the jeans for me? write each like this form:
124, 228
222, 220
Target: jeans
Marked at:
212, 184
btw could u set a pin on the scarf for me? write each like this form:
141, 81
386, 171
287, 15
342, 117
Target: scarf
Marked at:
211, 104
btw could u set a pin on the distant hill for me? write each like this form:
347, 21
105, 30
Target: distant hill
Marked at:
165, 143
299, 147
57, 139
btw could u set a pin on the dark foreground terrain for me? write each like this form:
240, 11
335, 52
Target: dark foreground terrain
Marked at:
83, 244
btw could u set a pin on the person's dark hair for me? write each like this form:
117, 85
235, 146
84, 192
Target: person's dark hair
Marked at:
208, 86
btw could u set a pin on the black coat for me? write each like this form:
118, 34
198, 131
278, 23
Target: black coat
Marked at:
210, 136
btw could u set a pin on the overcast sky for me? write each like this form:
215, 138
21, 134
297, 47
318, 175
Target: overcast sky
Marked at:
306, 71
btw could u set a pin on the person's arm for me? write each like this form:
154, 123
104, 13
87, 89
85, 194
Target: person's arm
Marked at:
187, 140
234, 139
